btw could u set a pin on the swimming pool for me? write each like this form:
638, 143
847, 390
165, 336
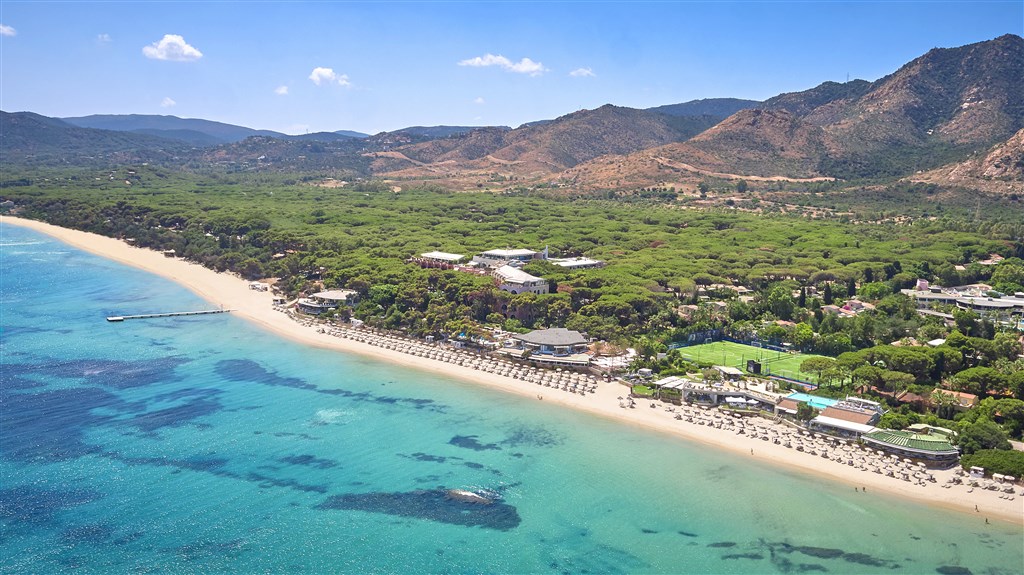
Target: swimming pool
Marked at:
813, 400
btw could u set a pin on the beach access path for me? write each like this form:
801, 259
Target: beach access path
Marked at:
231, 291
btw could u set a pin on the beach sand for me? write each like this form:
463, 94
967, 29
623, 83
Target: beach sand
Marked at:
233, 293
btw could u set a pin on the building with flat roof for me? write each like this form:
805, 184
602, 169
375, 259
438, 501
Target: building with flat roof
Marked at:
442, 257
972, 297
516, 281
522, 255
576, 263
327, 300
498, 258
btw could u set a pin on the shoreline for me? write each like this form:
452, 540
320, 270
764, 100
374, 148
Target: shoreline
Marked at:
255, 307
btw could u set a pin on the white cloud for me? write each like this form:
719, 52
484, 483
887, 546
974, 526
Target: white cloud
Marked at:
103, 39
6, 30
478, 101
172, 47
487, 60
528, 66
281, 90
582, 73
328, 76
167, 102
524, 66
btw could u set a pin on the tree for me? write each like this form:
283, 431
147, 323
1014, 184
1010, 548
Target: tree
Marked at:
1010, 411
834, 374
801, 336
897, 381
741, 186
804, 412
835, 343
828, 298
1005, 345
867, 375
1015, 381
874, 291
982, 434
996, 461
780, 302
978, 380
816, 365
851, 287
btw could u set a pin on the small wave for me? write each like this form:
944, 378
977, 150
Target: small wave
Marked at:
329, 417
12, 244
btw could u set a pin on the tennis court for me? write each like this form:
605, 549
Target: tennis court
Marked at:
778, 363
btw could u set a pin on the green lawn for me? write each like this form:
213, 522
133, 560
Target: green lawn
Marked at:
736, 355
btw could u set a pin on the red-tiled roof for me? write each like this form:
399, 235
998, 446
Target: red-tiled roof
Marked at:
860, 417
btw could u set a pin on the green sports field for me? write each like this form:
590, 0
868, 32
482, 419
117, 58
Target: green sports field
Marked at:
736, 355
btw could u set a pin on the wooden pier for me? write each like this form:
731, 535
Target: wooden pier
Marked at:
170, 314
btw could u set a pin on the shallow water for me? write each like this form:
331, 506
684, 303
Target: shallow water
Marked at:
201, 444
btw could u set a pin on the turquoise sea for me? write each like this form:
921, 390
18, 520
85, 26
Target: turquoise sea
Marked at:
204, 445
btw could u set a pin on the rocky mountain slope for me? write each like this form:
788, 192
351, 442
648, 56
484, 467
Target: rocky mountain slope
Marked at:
938, 108
1000, 170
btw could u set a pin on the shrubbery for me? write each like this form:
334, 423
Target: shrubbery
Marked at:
996, 461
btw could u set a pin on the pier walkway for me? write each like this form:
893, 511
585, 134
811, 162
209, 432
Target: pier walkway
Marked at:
170, 314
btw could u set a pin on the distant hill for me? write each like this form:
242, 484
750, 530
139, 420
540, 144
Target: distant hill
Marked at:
945, 112
817, 98
195, 131
188, 136
320, 137
935, 110
31, 138
434, 132
221, 132
340, 156
940, 105
549, 147
719, 107
758, 143
351, 134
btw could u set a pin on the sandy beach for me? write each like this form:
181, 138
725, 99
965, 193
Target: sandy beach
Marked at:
233, 292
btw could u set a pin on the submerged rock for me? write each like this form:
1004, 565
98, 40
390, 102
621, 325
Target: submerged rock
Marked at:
439, 505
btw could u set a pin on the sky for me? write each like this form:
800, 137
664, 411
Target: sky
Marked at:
375, 66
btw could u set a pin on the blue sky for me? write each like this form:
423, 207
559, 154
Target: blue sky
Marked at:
325, 66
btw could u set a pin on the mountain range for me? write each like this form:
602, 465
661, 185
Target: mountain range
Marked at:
952, 116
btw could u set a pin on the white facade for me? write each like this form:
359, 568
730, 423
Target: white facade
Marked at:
516, 281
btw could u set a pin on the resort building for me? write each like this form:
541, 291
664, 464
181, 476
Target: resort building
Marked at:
850, 418
970, 297
961, 401
930, 446
442, 257
498, 258
577, 263
1001, 309
555, 346
729, 373
516, 281
324, 301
